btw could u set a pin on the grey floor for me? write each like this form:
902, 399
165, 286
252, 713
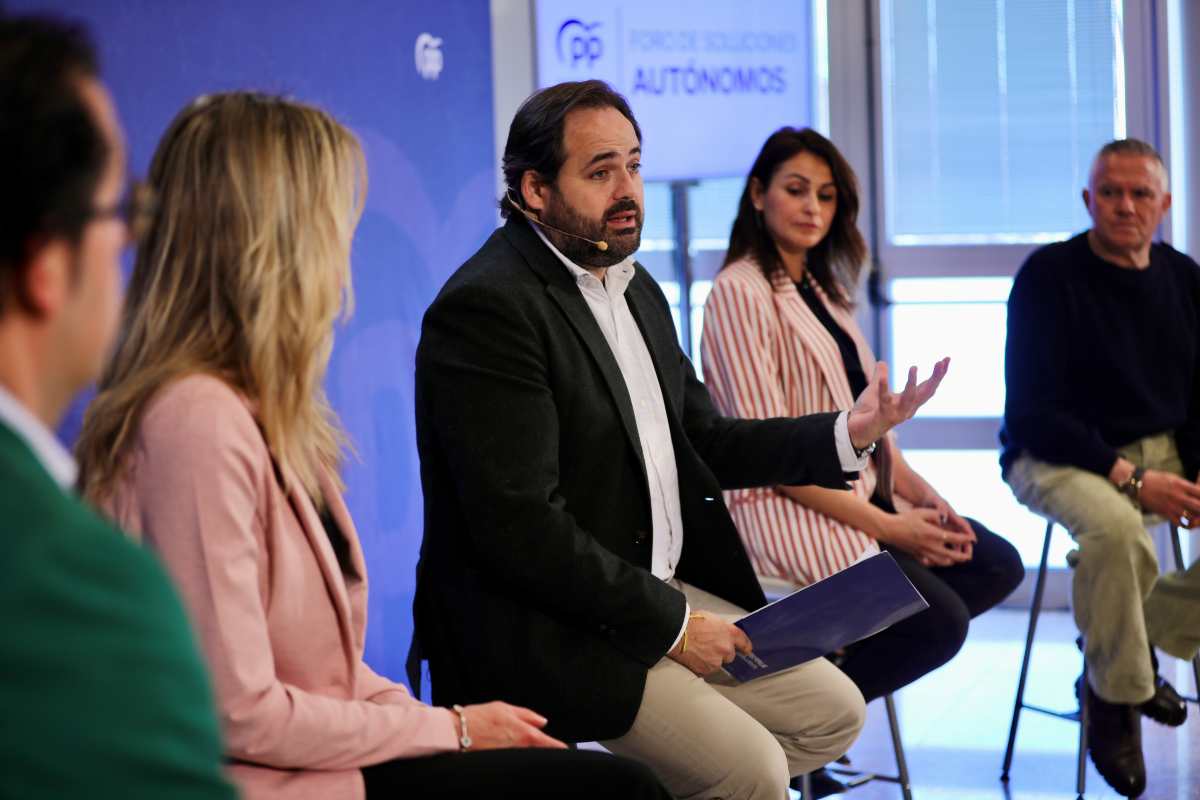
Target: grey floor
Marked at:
955, 724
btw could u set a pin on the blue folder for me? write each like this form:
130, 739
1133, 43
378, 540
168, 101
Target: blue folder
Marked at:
847, 606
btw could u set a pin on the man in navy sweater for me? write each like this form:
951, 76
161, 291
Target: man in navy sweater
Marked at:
1101, 426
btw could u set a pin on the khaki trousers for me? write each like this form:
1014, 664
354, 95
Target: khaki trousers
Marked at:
714, 738
1120, 602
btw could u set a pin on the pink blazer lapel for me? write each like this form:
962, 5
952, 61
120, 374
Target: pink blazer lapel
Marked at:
806, 330
801, 323
336, 582
355, 576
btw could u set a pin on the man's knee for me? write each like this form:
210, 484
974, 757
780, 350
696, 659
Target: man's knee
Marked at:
757, 769
1117, 539
845, 713
854, 715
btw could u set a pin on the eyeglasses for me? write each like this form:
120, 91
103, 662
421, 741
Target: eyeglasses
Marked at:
136, 210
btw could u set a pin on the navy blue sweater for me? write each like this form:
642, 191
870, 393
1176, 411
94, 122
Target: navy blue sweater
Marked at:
1099, 356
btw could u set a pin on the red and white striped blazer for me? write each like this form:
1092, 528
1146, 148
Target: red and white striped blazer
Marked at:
765, 354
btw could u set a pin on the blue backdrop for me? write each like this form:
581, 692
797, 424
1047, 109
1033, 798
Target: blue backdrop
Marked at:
428, 142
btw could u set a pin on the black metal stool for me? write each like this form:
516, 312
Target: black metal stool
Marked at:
1079, 715
858, 778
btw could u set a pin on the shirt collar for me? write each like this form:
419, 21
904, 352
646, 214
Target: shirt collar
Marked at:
616, 279
53, 457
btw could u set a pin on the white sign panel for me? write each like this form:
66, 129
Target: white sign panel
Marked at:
708, 81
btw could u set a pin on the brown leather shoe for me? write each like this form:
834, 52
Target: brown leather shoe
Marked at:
1115, 744
1166, 706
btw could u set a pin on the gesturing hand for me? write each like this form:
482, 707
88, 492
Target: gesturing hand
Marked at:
711, 642
496, 725
878, 409
1171, 496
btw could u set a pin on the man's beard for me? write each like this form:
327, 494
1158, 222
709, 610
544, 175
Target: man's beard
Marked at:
620, 245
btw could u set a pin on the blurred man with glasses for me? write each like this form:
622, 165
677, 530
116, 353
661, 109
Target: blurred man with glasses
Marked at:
102, 690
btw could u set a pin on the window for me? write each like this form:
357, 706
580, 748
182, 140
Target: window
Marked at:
992, 112
963, 318
989, 114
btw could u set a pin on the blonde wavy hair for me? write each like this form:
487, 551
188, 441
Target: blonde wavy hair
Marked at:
242, 275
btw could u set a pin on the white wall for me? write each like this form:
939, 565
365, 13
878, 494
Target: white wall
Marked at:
513, 68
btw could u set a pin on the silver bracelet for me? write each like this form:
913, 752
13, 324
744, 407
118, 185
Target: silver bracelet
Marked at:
464, 739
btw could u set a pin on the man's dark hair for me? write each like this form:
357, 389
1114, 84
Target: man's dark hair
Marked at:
535, 138
52, 153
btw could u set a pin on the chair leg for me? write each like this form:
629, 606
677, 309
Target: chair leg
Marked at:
898, 746
1081, 770
1177, 547
1035, 608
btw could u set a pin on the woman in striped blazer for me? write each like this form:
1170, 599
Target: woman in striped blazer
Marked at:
780, 340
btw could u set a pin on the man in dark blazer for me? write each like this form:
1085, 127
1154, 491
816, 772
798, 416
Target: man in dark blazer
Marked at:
102, 691
578, 557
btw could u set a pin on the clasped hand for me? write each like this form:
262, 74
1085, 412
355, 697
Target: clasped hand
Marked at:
711, 642
930, 536
1171, 496
878, 409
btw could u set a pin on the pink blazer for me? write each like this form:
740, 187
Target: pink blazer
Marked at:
765, 354
280, 621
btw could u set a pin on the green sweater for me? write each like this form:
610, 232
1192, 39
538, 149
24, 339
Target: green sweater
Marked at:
102, 690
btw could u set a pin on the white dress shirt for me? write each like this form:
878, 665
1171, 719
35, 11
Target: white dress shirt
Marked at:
41, 440
606, 299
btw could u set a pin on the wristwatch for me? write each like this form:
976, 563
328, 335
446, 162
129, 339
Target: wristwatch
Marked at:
1131, 487
866, 451
464, 739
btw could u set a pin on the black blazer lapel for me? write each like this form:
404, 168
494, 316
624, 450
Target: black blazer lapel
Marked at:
561, 288
659, 335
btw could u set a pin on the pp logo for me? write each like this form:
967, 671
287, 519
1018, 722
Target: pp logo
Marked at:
428, 55
583, 44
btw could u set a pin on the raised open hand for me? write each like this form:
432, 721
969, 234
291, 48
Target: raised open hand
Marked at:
878, 409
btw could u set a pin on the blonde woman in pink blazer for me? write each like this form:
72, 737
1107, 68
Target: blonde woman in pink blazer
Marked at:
780, 340
211, 440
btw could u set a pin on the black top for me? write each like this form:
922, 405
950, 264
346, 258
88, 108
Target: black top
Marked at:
337, 538
850, 360
1099, 356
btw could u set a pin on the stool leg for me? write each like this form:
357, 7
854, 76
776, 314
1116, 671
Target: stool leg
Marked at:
1179, 565
898, 746
1081, 771
1035, 608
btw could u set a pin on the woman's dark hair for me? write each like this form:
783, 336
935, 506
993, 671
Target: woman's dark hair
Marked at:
837, 261
52, 153
535, 138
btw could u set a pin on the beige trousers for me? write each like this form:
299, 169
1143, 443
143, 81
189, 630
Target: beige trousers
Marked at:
1120, 602
714, 738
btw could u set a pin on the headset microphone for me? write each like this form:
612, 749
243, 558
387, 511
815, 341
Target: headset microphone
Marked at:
599, 245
